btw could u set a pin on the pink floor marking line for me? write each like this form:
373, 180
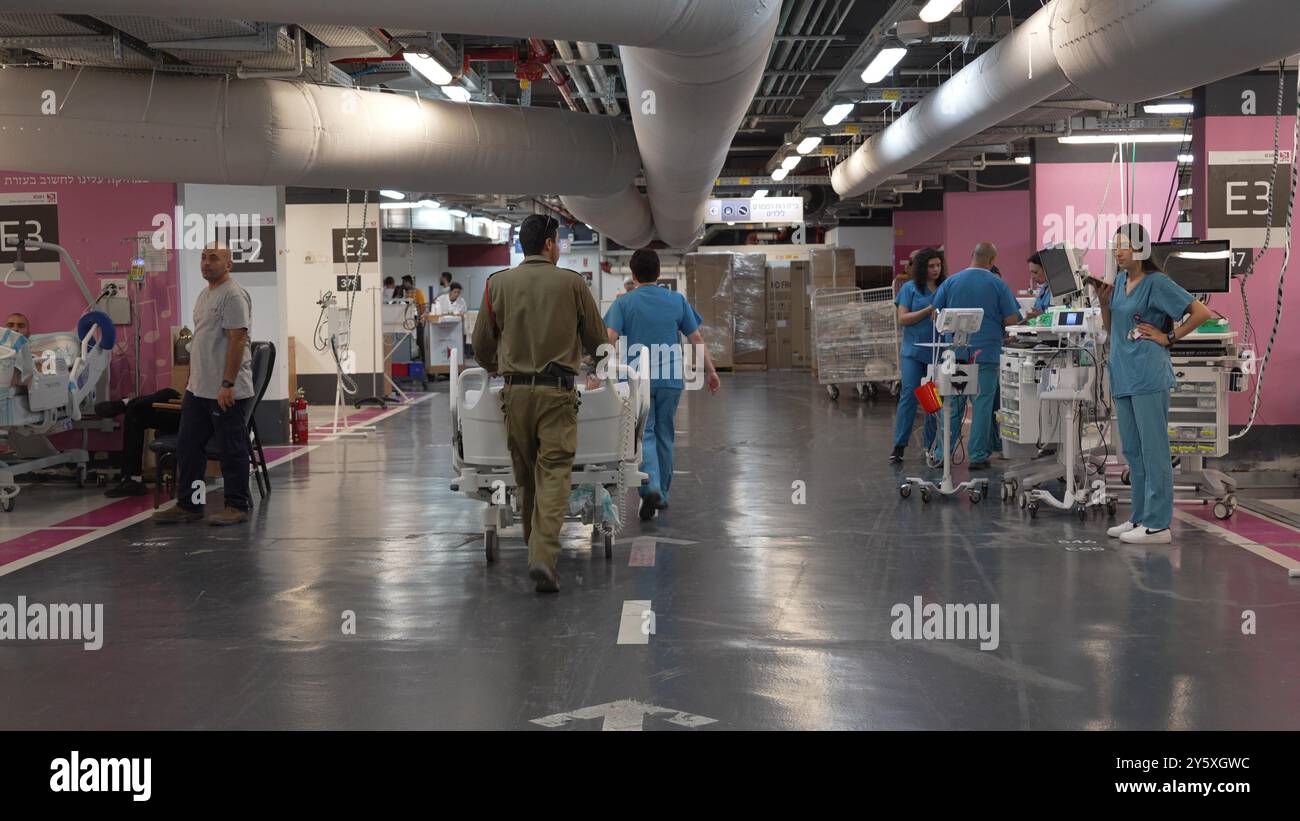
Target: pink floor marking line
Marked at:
643, 553
1265, 538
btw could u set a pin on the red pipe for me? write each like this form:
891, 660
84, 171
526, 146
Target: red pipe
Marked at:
543, 54
504, 54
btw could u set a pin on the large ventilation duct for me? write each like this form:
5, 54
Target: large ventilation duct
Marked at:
269, 132
1126, 51
1118, 50
686, 108
624, 217
1004, 81
701, 59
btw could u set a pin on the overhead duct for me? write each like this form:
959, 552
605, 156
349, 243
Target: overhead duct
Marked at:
699, 101
1004, 81
625, 216
1127, 51
701, 61
1117, 50
272, 132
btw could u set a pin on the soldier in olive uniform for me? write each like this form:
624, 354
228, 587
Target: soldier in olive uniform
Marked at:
534, 323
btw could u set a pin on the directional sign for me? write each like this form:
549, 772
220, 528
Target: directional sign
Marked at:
625, 715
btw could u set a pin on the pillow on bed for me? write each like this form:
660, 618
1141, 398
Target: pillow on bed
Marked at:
64, 343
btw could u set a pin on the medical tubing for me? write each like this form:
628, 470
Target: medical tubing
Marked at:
1286, 255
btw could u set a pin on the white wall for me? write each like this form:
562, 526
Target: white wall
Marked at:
430, 261
267, 290
311, 272
872, 245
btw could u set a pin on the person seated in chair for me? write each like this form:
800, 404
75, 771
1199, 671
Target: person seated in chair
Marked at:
138, 415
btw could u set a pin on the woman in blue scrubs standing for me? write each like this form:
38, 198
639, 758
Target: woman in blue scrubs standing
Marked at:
1141, 312
916, 315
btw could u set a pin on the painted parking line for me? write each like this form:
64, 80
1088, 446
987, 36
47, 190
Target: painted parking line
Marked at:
630, 630
1250, 531
60, 537
643, 552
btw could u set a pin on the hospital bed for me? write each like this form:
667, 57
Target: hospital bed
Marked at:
611, 425
64, 374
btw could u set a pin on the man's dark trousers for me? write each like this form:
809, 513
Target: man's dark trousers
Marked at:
200, 419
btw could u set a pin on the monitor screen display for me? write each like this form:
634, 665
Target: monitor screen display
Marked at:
1199, 266
1061, 267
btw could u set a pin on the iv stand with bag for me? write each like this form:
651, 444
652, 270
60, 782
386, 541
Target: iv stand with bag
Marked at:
952, 378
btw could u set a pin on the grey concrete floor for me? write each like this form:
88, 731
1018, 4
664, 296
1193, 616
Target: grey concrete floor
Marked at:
777, 617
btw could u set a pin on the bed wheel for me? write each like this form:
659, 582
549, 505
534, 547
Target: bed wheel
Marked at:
834, 391
491, 545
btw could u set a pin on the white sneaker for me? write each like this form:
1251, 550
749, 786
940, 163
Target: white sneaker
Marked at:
1119, 530
1142, 535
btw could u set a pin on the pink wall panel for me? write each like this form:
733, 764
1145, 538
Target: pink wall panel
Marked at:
95, 217
1001, 217
1069, 197
1280, 399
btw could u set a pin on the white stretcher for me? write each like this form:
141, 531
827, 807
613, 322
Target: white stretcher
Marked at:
64, 374
611, 425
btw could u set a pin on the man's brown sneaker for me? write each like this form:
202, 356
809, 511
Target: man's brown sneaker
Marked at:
175, 515
229, 516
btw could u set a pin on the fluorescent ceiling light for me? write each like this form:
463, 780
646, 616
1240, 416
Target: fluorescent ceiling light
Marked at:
883, 64
1203, 254
837, 114
1024, 159
779, 174
790, 162
456, 212
429, 68
1184, 192
1186, 158
389, 206
456, 93
809, 144
731, 223
429, 204
937, 10
1169, 108
1093, 139
392, 195
759, 194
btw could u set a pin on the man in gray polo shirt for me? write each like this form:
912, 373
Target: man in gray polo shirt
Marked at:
217, 396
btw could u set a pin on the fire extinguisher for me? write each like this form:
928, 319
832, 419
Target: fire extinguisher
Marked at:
299, 418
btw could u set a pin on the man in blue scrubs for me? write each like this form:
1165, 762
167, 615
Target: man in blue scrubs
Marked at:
978, 287
653, 316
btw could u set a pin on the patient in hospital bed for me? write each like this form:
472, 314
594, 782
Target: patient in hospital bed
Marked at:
19, 324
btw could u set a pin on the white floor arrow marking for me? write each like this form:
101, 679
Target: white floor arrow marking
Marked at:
625, 715
630, 626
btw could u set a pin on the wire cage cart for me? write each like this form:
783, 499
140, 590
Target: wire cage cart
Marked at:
855, 333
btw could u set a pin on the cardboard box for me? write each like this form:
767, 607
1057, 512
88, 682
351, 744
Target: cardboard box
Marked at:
801, 354
749, 303
833, 268
780, 327
708, 288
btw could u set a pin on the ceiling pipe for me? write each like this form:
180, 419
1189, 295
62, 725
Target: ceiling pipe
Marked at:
566, 54
543, 54
275, 132
600, 79
1099, 46
699, 61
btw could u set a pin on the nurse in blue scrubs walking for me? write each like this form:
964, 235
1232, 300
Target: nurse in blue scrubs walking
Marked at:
916, 315
1142, 314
